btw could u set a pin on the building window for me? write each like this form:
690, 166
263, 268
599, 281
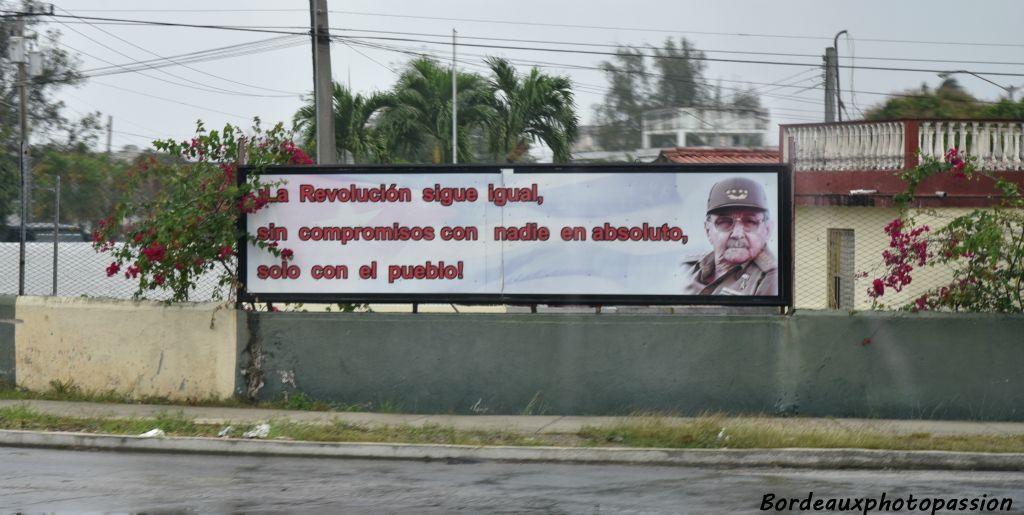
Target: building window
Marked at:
663, 141
840, 268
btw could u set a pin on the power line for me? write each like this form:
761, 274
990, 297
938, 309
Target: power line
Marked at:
171, 100
187, 25
672, 31
302, 28
605, 45
356, 50
693, 58
741, 61
242, 49
273, 29
290, 93
197, 85
652, 74
594, 89
544, 64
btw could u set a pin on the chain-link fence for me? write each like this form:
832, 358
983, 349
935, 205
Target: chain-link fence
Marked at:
834, 245
81, 271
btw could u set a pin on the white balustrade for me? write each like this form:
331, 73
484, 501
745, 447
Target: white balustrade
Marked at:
880, 145
857, 146
996, 145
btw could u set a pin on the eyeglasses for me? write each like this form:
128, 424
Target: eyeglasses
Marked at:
728, 223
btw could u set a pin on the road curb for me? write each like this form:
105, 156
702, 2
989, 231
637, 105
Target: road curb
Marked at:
729, 458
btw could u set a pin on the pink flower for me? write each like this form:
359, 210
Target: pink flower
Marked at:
878, 287
113, 269
287, 254
155, 252
922, 302
225, 252
132, 273
158, 279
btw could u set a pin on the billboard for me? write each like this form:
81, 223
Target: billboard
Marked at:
648, 234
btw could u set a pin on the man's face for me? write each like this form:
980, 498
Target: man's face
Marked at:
738, 235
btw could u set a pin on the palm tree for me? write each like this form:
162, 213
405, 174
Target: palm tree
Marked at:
352, 128
421, 118
537, 107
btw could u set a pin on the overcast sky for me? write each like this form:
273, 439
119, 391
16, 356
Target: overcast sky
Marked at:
982, 37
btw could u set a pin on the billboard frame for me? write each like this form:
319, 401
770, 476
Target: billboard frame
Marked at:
784, 233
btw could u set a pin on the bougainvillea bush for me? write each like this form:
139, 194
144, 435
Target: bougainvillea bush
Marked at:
984, 249
189, 226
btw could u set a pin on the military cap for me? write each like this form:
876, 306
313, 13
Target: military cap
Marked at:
737, 192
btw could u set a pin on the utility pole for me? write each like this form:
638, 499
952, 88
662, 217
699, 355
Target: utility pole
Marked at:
831, 69
19, 50
835, 66
110, 132
455, 108
56, 229
323, 102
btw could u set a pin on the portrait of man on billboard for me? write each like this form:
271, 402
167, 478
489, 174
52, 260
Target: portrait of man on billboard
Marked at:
738, 226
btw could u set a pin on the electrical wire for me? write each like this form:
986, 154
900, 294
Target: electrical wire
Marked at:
194, 84
672, 31
509, 47
651, 74
289, 93
244, 49
172, 100
692, 58
614, 46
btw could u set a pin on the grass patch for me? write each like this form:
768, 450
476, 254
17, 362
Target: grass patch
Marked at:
715, 432
709, 432
68, 391
175, 424
28, 419
426, 434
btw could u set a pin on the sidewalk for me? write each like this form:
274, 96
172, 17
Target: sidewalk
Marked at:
536, 424
827, 458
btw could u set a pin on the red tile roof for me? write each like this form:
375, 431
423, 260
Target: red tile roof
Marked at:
698, 155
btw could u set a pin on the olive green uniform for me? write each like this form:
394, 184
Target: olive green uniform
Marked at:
757, 277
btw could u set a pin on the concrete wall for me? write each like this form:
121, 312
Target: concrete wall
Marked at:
184, 351
7, 322
812, 363
819, 363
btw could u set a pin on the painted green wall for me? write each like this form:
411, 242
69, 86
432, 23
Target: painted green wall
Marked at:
7, 322
811, 363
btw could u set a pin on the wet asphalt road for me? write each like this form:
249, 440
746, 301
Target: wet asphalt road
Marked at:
57, 481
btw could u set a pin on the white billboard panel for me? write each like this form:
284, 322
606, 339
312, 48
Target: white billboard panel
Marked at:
519, 233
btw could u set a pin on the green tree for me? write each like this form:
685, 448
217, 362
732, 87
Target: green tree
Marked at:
420, 122
1005, 108
949, 100
746, 100
680, 80
620, 117
60, 69
90, 185
535, 107
677, 80
353, 119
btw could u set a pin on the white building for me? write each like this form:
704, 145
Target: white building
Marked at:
700, 127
